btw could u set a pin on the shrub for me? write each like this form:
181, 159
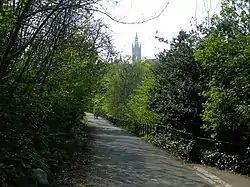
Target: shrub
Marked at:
180, 147
234, 163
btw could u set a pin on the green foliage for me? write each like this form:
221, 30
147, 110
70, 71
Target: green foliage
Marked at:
41, 123
45, 91
225, 54
138, 110
180, 79
225, 161
204, 81
126, 93
185, 149
189, 151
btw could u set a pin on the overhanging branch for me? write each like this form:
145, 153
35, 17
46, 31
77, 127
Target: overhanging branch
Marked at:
133, 22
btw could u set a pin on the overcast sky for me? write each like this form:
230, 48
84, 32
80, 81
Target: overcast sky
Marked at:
178, 15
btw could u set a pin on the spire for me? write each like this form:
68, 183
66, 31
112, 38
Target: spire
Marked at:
136, 40
136, 49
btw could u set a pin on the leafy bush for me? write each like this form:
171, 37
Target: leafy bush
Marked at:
189, 151
234, 163
180, 147
38, 134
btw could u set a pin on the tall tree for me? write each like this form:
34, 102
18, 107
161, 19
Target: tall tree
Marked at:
224, 53
176, 96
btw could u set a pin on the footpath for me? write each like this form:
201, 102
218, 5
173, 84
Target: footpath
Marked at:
117, 158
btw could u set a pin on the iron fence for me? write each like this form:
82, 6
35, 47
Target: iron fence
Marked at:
201, 142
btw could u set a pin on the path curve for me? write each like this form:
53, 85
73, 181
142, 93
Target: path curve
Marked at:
118, 158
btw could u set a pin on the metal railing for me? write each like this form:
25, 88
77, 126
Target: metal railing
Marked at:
201, 142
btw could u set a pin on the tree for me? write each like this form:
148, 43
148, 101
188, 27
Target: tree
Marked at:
176, 96
138, 111
224, 53
120, 83
49, 70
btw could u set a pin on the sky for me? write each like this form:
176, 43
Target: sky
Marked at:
178, 15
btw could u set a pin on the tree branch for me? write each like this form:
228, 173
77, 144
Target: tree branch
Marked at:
134, 22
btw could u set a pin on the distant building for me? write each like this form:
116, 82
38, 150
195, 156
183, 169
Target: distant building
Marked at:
136, 50
136, 53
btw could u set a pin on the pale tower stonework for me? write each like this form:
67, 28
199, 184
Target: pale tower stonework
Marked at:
136, 50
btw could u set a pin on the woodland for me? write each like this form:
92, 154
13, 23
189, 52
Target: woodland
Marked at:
57, 60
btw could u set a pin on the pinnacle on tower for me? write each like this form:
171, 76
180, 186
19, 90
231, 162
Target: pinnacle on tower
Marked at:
136, 49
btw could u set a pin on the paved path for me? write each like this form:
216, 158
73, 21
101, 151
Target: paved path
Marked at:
115, 158
121, 159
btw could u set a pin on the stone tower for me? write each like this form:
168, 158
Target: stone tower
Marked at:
136, 50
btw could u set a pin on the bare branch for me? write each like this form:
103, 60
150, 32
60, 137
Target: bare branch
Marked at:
134, 22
